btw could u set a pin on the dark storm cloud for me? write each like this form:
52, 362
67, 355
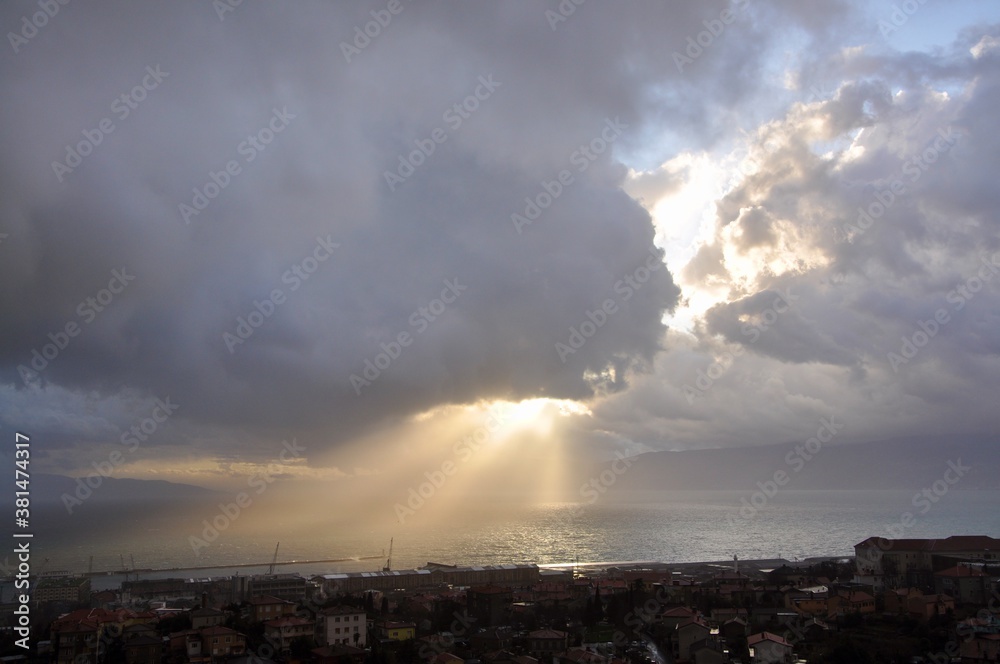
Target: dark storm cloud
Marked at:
197, 87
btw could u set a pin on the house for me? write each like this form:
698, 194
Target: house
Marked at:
282, 631
767, 648
143, 649
339, 654
74, 589
888, 563
222, 642
968, 585
395, 630
981, 649
82, 635
737, 628
924, 607
489, 605
672, 617
709, 651
339, 624
267, 607
549, 642
687, 634
206, 617
850, 601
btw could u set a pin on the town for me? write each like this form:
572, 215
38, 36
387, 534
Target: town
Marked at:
895, 601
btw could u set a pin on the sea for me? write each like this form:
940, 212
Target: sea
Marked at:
667, 526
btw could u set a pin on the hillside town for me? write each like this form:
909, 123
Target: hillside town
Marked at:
896, 601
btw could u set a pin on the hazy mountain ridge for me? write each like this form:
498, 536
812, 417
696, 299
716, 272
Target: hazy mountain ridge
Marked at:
901, 464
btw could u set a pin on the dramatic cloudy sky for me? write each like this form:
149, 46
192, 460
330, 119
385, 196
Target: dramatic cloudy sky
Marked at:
724, 179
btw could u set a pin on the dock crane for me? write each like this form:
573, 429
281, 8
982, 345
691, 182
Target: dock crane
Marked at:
274, 561
388, 561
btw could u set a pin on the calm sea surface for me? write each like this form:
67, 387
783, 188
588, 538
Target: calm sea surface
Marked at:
675, 526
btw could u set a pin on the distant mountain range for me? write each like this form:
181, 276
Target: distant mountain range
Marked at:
47, 489
900, 464
905, 464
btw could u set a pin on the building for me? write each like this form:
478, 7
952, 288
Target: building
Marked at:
291, 587
886, 563
339, 625
968, 585
489, 605
850, 601
981, 649
767, 648
268, 608
280, 632
206, 617
395, 630
74, 589
222, 642
547, 642
433, 575
142, 645
83, 636
687, 634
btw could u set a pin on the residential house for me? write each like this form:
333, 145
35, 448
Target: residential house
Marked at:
709, 651
850, 601
282, 631
885, 563
549, 642
206, 617
981, 649
968, 585
220, 642
768, 648
339, 624
687, 634
395, 630
338, 654
267, 607
489, 605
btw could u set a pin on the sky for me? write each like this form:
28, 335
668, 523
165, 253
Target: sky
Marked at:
351, 240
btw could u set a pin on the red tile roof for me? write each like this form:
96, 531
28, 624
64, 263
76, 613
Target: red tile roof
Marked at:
767, 636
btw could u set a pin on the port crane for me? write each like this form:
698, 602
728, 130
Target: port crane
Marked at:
388, 561
274, 561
